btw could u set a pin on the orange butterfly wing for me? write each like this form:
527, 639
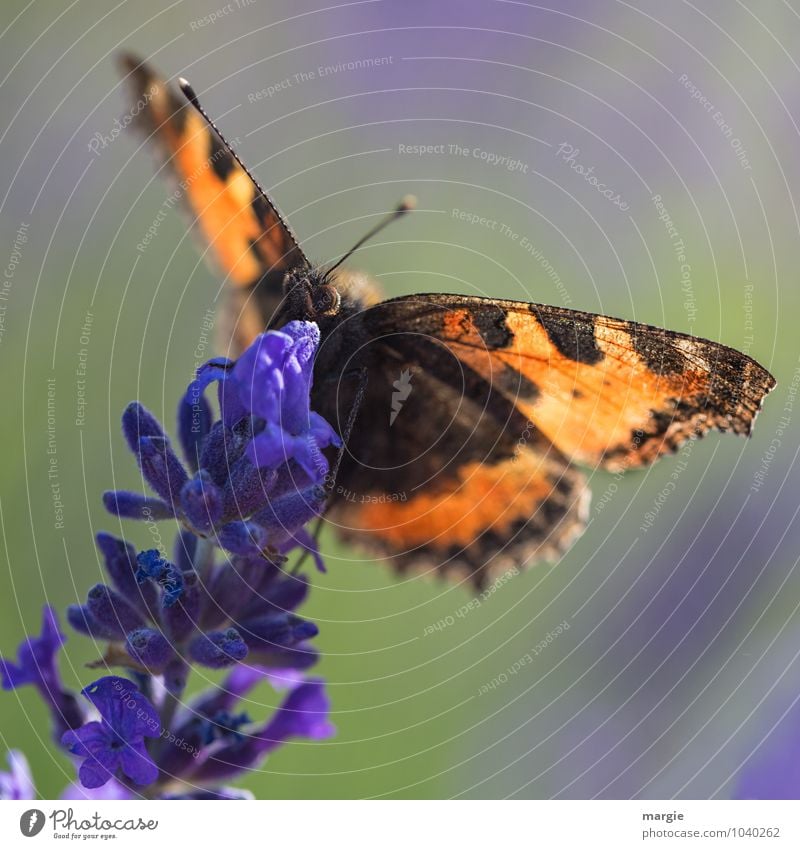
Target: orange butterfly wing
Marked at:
579, 387
604, 391
489, 518
248, 238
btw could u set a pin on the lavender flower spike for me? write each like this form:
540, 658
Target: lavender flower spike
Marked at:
250, 484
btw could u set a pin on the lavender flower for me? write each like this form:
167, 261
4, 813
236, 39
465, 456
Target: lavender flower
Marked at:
116, 741
247, 485
283, 363
242, 608
111, 791
17, 784
228, 742
257, 472
304, 713
36, 665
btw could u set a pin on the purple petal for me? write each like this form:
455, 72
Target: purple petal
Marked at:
110, 791
15, 676
112, 611
83, 622
86, 740
218, 649
17, 784
51, 633
123, 707
134, 505
161, 467
286, 593
218, 368
284, 516
279, 641
279, 630
324, 435
150, 648
270, 448
194, 423
137, 422
137, 764
233, 586
241, 680
257, 376
36, 657
276, 592
285, 679
201, 501
247, 490
244, 538
304, 713
237, 684
94, 773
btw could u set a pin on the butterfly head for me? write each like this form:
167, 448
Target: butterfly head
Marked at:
310, 296
315, 294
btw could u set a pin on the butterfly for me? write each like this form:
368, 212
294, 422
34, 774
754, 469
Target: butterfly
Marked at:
466, 419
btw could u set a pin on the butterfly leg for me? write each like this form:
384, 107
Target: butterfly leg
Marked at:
330, 480
358, 400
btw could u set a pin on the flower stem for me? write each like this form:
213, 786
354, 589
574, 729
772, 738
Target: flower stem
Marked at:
172, 699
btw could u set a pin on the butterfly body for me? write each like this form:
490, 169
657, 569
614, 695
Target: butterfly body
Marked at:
471, 415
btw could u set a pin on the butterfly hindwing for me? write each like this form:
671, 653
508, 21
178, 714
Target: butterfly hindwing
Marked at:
451, 478
486, 519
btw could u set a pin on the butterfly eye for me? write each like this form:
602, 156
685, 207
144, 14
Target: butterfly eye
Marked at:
325, 300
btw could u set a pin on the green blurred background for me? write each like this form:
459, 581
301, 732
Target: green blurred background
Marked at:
680, 663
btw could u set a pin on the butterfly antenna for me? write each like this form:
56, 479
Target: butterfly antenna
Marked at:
190, 94
408, 203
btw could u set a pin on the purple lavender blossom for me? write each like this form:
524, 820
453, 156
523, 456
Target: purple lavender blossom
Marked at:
257, 472
16, 784
272, 379
36, 665
116, 742
228, 742
36, 662
304, 714
250, 483
111, 791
